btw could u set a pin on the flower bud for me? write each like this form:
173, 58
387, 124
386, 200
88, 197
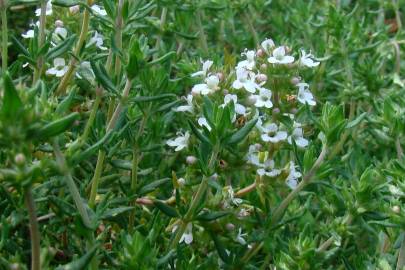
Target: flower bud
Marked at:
258, 146
295, 80
251, 100
230, 226
181, 182
214, 177
74, 9
276, 111
19, 159
191, 160
220, 76
396, 209
225, 92
260, 53
294, 110
263, 66
58, 23
261, 77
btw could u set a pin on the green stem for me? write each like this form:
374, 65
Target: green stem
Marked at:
60, 159
101, 154
203, 38
118, 36
251, 27
134, 183
41, 41
92, 116
72, 64
278, 213
4, 35
96, 178
34, 230
159, 37
194, 203
401, 255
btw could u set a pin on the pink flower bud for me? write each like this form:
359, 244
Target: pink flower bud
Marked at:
58, 23
230, 226
260, 53
295, 80
225, 92
19, 159
191, 160
258, 146
276, 110
261, 77
294, 110
74, 9
220, 76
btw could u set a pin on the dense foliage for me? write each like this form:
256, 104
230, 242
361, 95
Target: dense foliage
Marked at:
215, 134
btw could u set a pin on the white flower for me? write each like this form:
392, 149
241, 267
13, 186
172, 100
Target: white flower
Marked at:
98, 40
292, 178
271, 133
279, 57
180, 142
267, 45
263, 99
202, 121
249, 63
29, 34
239, 109
85, 71
99, 10
266, 166
231, 196
239, 237
47, 12
298, 136
206, 65
307, 60
210, 86
186, 108
245, 79
187, 236
304, 95
59, 34
59, 68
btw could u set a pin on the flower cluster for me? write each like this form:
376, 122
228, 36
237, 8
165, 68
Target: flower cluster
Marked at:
266, 85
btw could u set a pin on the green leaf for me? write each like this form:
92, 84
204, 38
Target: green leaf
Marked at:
102, 76
61, 48
66, 3
162, 59
211, 216
198, 134
220, 248
111, 213
136, 59
23, 2
65, 104
57, 127
239, 135
152, 186
166, 209
82, 262
19, 46
356, 121
12, 103
84, 155
152, 98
